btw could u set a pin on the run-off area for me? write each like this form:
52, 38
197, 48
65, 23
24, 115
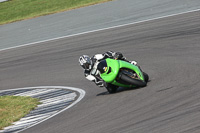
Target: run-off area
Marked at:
54, 100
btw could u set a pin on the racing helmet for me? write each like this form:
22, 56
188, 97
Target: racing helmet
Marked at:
85, 62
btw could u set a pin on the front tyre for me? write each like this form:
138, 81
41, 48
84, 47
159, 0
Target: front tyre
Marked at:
146, 77
129, 80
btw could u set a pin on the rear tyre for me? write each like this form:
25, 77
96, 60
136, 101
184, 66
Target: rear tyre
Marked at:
111, 88
131, 81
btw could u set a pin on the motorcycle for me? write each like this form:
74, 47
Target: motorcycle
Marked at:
119, 73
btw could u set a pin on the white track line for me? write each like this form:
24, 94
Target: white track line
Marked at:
28, 121
23, 45
33, 93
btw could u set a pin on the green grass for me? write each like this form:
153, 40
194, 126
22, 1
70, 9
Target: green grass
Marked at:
12, 108
15, 10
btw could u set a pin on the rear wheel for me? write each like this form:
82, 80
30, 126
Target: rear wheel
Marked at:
127, 77
111, 88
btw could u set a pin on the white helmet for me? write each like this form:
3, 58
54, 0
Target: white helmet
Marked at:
85, 62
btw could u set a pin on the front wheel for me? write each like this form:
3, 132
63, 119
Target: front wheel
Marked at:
146, 76
132, 81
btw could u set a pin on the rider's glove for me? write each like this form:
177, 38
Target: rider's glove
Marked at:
118, 55
133, 62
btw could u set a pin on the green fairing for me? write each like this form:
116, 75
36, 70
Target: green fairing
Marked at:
115, 66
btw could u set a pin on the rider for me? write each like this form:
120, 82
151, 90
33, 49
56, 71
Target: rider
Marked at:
90, 65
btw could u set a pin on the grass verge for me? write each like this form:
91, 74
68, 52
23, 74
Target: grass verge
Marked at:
15, 10
12, 108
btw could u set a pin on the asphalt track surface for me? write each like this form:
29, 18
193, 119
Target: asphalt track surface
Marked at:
167, 49
105, 15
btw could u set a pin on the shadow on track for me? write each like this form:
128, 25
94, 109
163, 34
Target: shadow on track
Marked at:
121, 89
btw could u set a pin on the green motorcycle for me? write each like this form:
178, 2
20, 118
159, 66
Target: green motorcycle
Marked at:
119, 73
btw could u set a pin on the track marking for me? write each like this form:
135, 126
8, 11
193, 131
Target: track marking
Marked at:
55, 99
57, 38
